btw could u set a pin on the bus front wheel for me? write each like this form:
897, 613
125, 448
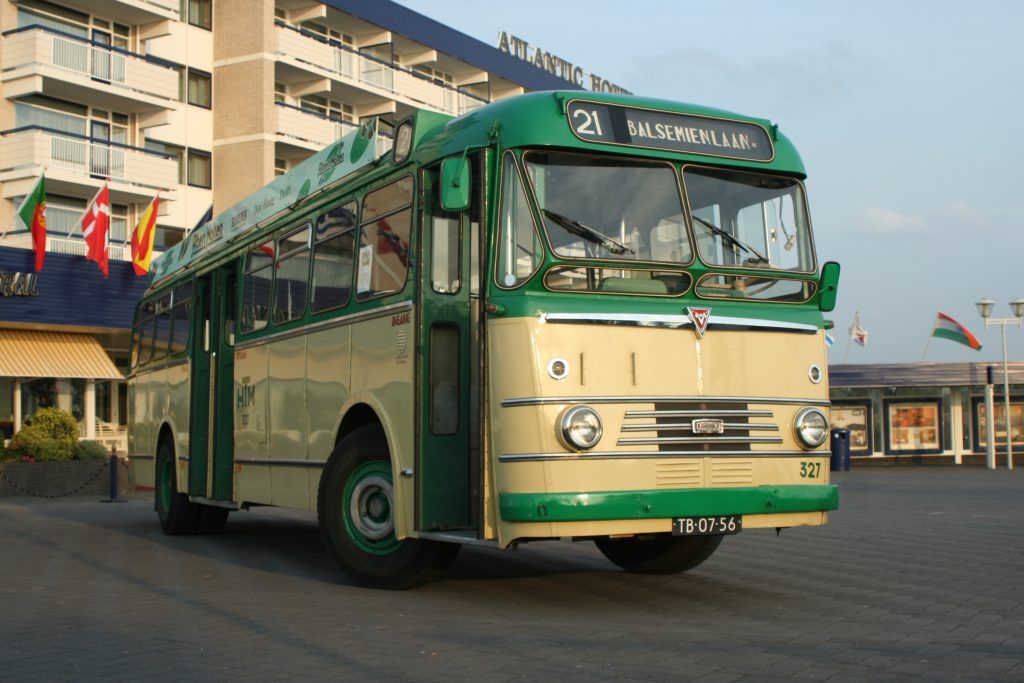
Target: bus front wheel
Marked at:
177, 514
662, 555
356, 508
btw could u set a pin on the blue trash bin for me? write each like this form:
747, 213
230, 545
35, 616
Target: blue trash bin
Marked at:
840, 446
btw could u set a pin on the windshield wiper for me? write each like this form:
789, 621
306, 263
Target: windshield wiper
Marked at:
588, 233
730, 240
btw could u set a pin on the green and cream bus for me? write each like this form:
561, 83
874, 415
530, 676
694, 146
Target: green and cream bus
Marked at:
564, 315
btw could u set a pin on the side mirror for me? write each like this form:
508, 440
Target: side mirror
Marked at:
455, 184
828, 286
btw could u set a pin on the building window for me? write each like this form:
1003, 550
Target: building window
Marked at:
857, 419
999, 427
199, 169
166, 238
39, 13
280, 167
280, 93
199, 88
913, 426
174, 150
200, 13
47, 112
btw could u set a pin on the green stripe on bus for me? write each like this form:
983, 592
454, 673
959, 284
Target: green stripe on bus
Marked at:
661, 504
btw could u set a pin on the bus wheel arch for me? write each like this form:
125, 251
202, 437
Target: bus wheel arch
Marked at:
355, 508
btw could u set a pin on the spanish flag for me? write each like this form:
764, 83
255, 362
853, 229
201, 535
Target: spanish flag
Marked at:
142, 238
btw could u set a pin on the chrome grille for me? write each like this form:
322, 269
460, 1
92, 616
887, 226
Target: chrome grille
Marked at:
666, 428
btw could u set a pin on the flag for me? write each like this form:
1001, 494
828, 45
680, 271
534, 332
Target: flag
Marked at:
32, 213
142, 237
829, 340
858, 333
947, 328
96, 229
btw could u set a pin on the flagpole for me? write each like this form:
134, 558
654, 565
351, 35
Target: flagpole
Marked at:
849, 343
78, 223
930, 335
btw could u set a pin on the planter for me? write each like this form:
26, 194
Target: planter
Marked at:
59, 479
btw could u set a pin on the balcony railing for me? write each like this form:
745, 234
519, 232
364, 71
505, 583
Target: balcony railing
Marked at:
36, 146
343, 61
76, 246
316, 129
106, 64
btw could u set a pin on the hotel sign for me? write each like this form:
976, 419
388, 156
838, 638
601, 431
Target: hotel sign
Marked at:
553, 64
18, 284
654, 129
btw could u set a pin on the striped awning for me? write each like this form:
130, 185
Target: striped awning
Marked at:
29, 353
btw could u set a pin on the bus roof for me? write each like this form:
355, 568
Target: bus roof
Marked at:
605, 122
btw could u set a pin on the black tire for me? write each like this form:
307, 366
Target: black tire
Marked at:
660, 555
177, 514
354, 506
211, 519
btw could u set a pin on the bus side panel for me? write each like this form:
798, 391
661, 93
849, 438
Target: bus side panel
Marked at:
328, 384
289, 484
385, 370
252, 480
178, 386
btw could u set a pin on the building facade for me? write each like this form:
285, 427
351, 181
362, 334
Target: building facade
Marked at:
930, 411
203, 101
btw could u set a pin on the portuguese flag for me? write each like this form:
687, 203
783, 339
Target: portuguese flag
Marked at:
32, 213
947, 328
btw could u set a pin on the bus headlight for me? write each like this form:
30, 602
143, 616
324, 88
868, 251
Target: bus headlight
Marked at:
580, 427
811, 427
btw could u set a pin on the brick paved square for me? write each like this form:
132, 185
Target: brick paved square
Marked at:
918, 575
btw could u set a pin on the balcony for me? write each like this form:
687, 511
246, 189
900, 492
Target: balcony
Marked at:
321, 56
311, 131
43, 60
76, 165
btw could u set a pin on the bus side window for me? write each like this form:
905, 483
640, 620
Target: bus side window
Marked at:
291, 273
182, 314
145, 340
332, 258
162, 333
383, 262
135, 344
256, 290
475, 211
445, 244
520, 250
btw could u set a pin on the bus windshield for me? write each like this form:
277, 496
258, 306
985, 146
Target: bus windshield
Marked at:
749, 220
605, 208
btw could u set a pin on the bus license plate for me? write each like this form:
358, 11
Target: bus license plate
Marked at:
707, 526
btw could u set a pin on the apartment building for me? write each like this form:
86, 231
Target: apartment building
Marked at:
203, 101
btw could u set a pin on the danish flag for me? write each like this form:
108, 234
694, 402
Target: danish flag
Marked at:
96, 228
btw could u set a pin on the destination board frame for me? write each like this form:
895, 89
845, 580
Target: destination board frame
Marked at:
608, 105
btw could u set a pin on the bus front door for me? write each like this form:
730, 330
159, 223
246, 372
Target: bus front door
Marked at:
445, 469
211, 431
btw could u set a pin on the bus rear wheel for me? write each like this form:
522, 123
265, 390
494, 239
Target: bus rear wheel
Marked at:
661, 555
177, 514
356, 509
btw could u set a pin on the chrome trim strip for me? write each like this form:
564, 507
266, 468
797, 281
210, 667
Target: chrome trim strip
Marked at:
183, 457
698, 413
326, 324
558, 400
280, 461
452, 537
684, 427
667, 455
653, 440
672, 321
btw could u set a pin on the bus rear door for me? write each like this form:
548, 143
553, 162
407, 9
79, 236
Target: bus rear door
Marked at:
213, 386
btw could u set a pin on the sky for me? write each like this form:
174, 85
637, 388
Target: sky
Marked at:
908, 116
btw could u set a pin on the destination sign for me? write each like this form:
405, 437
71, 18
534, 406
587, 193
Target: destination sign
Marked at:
617, 125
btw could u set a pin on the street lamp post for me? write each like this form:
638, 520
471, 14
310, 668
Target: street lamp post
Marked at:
985, 309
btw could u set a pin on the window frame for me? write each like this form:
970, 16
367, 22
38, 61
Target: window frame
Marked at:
363, 222
189, 73
354, 230
279, 258
186, 11
498, 234
934, 401
188, 167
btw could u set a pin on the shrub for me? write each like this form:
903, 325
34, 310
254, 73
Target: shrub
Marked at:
51, 434
90, 450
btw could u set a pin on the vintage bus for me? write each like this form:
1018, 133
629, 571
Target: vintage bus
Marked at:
564, 315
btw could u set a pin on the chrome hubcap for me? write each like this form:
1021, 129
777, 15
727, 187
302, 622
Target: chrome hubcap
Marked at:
371, 505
